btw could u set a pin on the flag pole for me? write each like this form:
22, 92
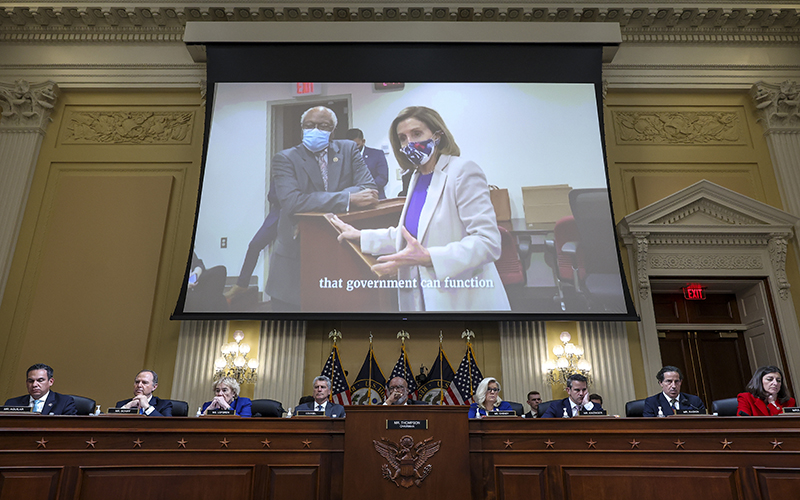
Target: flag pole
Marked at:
441, 371
403, 335
468, 334
369, 386
335, 335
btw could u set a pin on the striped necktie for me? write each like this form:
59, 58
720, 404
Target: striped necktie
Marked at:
322, 158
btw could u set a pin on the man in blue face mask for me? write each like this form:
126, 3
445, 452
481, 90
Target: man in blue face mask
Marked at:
318, 175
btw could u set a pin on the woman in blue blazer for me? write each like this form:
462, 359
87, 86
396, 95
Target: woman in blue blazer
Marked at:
487, 399
226, 392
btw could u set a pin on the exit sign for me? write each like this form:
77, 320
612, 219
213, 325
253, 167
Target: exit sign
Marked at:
307, 88
694, 291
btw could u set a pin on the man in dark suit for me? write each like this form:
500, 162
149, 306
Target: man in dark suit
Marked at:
534, 400
577, 389
374, 158
319, 175
144, 384
670, 398
322, 393
397, 393
40, 397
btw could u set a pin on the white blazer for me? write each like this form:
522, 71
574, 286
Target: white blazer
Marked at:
458, 226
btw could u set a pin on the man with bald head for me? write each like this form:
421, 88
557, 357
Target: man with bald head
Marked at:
318, 175
397, 393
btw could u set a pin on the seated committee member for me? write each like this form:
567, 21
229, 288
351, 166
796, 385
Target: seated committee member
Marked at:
144, 384
447, 241
40, 397
671, 398
227, 397
577, 388
321, 401
534, 400
487, 398
397, 393
766, 395
596, 399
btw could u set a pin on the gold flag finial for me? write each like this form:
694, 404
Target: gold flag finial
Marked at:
335, 335
403, 335
467, 334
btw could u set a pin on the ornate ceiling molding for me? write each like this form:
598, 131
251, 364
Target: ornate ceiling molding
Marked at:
753, 22
26, 107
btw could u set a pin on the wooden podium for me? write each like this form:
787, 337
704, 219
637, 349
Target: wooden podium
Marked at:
324, 261
368, 473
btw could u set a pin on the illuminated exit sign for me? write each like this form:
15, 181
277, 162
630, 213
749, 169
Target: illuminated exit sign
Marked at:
305, 88
694, 291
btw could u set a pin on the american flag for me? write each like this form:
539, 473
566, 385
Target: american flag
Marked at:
340, 389
439, 379
468, 376
403, 369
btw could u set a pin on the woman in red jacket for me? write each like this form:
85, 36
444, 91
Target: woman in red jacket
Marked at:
766, 394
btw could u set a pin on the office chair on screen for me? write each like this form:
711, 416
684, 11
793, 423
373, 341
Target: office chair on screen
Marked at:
566, 264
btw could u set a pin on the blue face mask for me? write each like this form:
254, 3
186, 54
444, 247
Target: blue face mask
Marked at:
315, 139
419, 153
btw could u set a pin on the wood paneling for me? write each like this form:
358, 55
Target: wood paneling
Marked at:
521, 482
35, 483
778, 482
293, 482
611, 483
100, 483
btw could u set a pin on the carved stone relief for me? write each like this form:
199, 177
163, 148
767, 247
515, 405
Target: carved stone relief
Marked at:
641, 264
778, 105
715, 210
128, 127
27, 106
777, 254
672, 127
706, 261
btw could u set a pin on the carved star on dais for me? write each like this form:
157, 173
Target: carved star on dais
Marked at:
634, 444
182, 443
265, 443
726, 444
508, 443
776, 445
679, 444
549, 444
591, 442
90, 443
41, 443
224, 443
306, 443
138, 443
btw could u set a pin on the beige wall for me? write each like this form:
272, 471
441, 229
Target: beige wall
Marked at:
103, 244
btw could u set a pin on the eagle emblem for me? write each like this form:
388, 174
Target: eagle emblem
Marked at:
406, 460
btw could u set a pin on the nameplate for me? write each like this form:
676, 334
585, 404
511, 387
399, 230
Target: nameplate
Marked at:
692, 411
16, 409
502, 413
593, 413
224, 413
310, 413
794, 410
123, 411
407, 424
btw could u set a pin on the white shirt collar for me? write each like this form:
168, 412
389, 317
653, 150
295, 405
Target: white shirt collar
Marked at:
669, 399
324, 405
43, 399
588, 406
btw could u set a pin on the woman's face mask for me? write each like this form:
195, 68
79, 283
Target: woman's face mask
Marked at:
420, 153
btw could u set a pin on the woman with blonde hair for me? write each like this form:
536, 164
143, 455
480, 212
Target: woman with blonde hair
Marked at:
487, 398
226, 397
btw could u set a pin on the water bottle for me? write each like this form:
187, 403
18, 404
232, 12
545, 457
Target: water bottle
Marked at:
199, 411
97, 410
565, 415
660, 412
289, 413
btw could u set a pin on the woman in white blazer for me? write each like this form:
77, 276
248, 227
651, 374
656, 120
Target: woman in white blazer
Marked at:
447, 240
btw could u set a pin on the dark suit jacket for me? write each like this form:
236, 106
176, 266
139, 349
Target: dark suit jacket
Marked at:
530, 414
556, 410
686, 402
163, 407
242, 406
56, 404
331, 409
299, 188
376, 163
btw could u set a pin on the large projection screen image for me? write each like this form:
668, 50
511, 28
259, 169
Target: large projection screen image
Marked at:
507, 215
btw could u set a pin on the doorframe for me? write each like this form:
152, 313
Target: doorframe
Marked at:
706, 232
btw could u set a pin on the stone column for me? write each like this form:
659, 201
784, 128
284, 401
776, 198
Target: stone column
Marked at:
25, 115
778, 108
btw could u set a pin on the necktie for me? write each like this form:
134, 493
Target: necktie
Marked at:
319, 407
323, 167
673, 404
577, 410
37, 405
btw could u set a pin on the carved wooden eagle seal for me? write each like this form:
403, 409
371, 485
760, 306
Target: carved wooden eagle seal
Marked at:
406, 460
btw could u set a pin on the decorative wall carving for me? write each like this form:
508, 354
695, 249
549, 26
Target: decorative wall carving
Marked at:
671, 127
128, 127
706, 261
777, 254
165, 24
710, 208
778, 105
641, 264
27, 106
692, 239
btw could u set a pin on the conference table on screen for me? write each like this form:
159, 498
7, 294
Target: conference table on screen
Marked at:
399, 452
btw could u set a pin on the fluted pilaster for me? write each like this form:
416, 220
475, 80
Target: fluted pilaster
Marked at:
523, 350
26, 112
281, 358
198, 345
606, 348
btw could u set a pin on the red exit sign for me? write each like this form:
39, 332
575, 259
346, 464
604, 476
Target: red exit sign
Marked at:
307, 88
694, 291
